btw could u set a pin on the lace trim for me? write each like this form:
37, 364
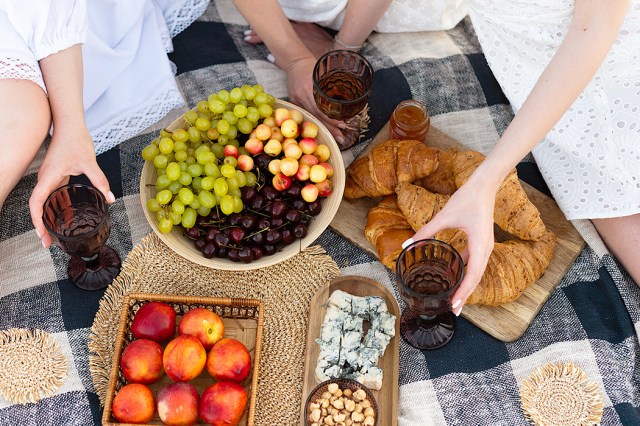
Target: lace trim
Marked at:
130, 123
17, 68
182, 17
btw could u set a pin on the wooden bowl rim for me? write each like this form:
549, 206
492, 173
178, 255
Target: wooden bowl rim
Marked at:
184, 248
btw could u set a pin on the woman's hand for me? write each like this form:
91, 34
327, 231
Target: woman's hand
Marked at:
470, 209
70, 153
300, 86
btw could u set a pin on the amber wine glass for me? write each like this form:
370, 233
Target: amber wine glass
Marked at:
342, 82
77, 219
428, 273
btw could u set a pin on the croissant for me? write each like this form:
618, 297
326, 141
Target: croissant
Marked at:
513, 211
388, 164
386, 230
513, 265
442, 180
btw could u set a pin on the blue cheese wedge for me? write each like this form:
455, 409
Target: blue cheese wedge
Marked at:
344, 350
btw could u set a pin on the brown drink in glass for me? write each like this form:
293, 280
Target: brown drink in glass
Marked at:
428, 273
77, 218
342, 82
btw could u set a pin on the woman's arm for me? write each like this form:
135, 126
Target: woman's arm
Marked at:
71, 150
290, 53
594, 27
360, 18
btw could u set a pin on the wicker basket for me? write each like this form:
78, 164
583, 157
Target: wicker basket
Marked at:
243, 320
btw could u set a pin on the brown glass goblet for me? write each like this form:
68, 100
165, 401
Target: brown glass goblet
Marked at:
428, 273
77, 219
342, 82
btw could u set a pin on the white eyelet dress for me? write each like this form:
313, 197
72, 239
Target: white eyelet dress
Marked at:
129, 83
401, 16
591, 158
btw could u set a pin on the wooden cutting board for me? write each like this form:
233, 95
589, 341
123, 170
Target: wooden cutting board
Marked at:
506, 322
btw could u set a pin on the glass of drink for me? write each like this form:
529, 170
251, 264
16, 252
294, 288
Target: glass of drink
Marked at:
77, 219
428, 273
342, 82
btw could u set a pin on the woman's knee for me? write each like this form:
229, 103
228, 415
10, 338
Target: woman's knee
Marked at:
24, 123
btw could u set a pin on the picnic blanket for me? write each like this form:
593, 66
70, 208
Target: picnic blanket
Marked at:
592, 319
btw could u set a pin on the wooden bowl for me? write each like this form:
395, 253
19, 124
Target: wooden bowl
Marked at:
316, 395
184, 246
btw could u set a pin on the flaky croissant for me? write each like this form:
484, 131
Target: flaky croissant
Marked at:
441, 180
513, 211
386, 230
388, 164
513, 265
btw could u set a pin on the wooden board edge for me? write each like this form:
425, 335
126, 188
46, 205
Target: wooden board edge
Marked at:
322, 294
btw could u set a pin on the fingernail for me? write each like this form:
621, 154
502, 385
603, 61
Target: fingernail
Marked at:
247, 38
407, 243
42, 242
38, 234
341, 140
248, 32
456, 303
458, 311
342, 125
271, 59
111, 198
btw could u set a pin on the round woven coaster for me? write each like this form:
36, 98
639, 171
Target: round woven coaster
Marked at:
285, 289
31, 365
561, 394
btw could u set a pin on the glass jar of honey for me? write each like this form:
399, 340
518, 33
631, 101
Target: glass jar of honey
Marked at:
410, 120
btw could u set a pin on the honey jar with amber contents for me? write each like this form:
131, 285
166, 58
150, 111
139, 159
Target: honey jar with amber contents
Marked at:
410, 120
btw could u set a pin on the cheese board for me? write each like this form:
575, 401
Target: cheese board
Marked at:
387, 397
506, 322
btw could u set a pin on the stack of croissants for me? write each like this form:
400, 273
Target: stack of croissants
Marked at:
416, 181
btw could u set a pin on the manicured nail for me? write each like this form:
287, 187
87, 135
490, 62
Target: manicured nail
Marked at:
456, 303
457, 312
341, 140
248, 32
38, 234
342, 125
247, 38
42, 242
271, 59
111, 198
407, 243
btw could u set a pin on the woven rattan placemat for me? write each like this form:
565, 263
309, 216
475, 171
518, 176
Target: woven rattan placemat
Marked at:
285, 289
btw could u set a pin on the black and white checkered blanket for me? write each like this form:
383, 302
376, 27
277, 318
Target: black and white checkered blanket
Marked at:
592, 319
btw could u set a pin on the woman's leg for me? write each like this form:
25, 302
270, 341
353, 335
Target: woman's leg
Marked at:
24, 124
622, 237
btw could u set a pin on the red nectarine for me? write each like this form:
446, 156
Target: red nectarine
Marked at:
204, 324
184, 358
178, 404
134, 403
223, 404
141, 361
155, 321
229, 359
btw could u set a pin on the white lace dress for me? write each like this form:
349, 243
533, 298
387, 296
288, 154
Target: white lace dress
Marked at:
401, 16
128, 80
591, 158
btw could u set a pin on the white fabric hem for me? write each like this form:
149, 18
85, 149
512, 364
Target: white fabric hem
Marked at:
183, 15
14, 67
621, 212
130, 123
59, 45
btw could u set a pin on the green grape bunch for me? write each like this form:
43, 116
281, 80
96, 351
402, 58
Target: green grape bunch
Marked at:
194, 174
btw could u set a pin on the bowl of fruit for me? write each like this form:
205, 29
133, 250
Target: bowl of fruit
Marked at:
242, 181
